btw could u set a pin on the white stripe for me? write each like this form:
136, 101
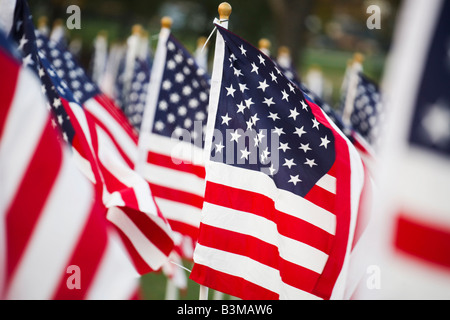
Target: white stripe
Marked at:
328, 183
20, 138
146, 249
115, 265
264, 230
179, 211
174, 179
178, 150
285, 201
246, 268
120, 135
17, 146
112, 160
154, 86
54, 238
83, 165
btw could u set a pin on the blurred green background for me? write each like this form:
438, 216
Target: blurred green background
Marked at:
319, 33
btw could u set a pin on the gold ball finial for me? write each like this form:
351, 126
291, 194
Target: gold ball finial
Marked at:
201, 41
224, 11
42, 22
136, 29
264, 43
166, 22
358, 57
284, 50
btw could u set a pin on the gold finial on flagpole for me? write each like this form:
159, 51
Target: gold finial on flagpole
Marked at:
358, 57
166, 22
264, 44
201, 41
42, 22
136, 29
224, 11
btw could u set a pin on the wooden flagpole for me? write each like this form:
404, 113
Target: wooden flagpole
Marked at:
224, 14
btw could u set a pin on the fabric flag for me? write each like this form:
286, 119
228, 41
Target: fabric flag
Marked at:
282, 185
137, 95
171, 138
409, 240
103, 143
56, 242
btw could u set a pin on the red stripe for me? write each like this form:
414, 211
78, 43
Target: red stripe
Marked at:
229, 284
342, 210
260, 251
150, 229
263, 206
87, 255
175, 164
31, 196
176, 195
322, 198
8, 81
422, 240
184, 228
99, 123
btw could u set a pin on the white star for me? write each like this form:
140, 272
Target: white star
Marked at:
294, 180
278, 131
310, 162
283, 146
294, 114
269, 102
262, 60
255, 118
28, 61
436, 123
166, 85
249, 102
289, 163
273, 116
219, 147
243, 51
315, 123
245, 153
237, 72
304, 105
325, 142
291, 87
299, 131
249, 124
274, 77
243, 87
263, 85
241, 107
56, 103
265, 154
226, 119
235, 136
285, 95
23, 42
230, 90
255, 68
305, 147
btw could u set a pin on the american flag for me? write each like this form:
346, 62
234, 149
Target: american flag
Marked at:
103, 143
52, 223
367, 108
281, 183
171, 138
410, 230
137, 97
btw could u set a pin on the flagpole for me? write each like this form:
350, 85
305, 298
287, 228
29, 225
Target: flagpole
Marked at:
352, 84
224, 10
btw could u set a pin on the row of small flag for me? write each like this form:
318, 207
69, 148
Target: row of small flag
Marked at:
244, 171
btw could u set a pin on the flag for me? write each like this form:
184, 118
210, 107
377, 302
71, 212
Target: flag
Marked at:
137, 96
171, 138
408, 241
56, 242
103, 143
282, 185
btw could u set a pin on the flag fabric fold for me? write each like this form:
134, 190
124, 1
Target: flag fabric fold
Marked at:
282, 185
56, 241
103, 143
171, 138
